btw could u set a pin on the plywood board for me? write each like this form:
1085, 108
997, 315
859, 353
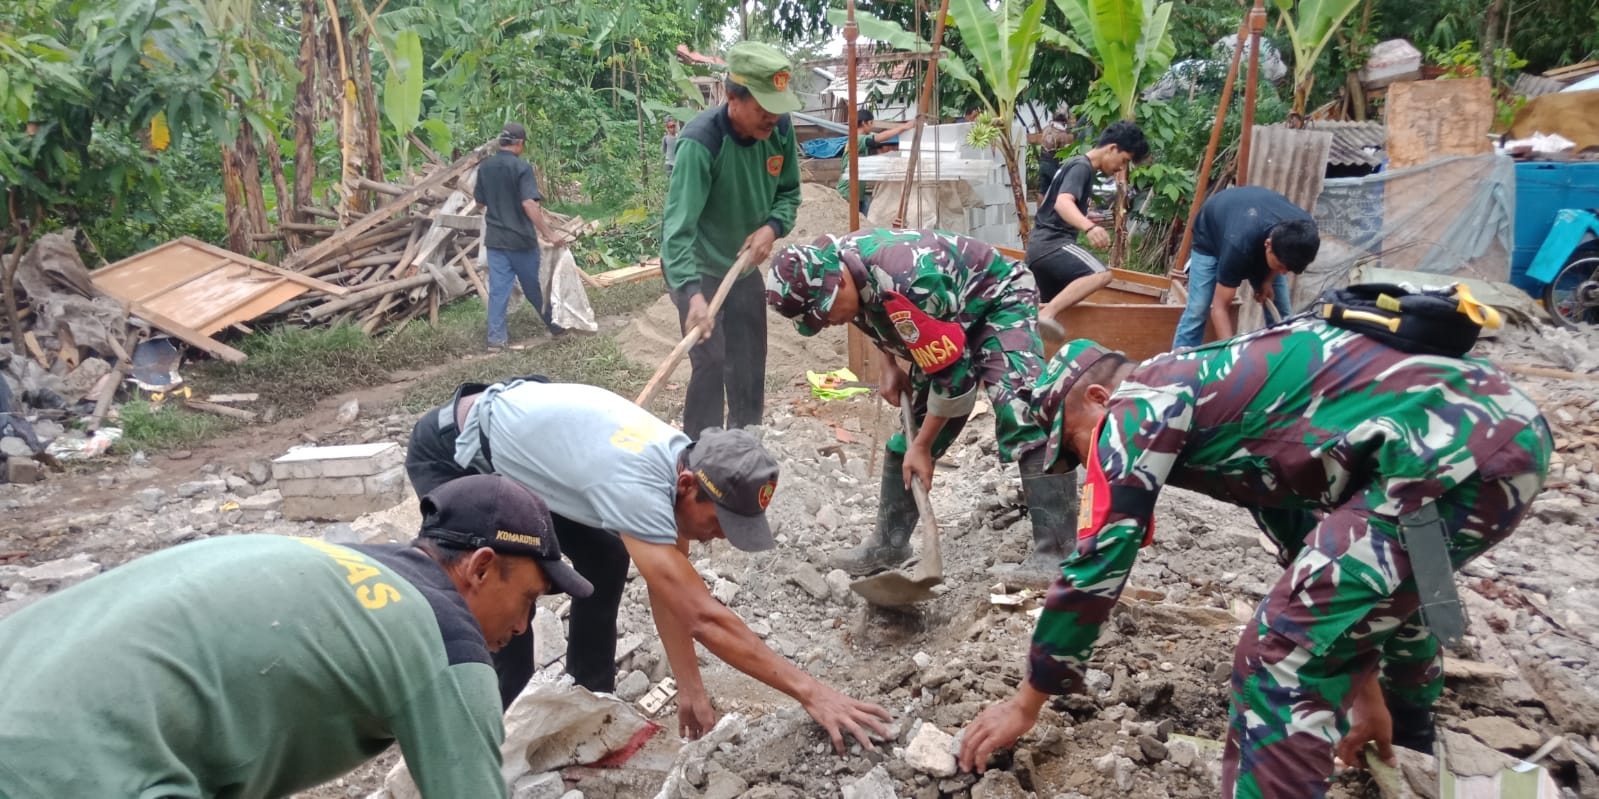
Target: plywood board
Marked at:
191, 289
1433, 119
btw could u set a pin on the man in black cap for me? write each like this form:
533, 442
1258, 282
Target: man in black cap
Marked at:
514, 219
621, 483
262, 665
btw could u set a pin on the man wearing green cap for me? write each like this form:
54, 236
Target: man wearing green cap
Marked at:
1376, 472
963, 315
735, 186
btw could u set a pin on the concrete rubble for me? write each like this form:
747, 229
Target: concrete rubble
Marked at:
1147, 728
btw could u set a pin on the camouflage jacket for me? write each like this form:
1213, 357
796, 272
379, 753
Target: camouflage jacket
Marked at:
1300, 416
924, 293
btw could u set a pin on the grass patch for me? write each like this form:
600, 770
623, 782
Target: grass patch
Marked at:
596, 360
293, 368
160, 427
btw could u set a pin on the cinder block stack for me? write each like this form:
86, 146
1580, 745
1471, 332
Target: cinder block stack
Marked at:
340, 483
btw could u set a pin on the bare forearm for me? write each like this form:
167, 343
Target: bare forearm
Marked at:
541, 221
931, 427
723, 633
1223, 322
679, 647
1066, 207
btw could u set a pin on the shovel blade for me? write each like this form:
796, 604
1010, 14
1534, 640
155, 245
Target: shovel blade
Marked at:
895, 590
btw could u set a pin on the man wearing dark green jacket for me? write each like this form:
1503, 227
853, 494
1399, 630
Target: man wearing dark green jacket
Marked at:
257, 666
735, 186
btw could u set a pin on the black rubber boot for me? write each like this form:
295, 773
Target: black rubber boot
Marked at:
1414, 725
1052, 506
890, 543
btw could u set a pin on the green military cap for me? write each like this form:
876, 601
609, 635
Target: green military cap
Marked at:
765, 71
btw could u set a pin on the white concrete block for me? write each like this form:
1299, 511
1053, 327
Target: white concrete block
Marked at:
341, 461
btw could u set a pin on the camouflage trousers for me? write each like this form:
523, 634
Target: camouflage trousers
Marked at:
1007, 358
1346, 607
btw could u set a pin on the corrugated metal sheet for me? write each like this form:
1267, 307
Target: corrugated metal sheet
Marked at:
1530, 86
1290, 162
1354, 143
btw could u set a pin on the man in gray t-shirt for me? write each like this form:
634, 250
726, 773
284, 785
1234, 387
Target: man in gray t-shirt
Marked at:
621, 484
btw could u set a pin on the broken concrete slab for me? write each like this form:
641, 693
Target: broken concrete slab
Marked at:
549, 638
548, 785
1503, 734
808, 579
23, 471
999, 784
632, 686
55, 575
932, 751
874, 784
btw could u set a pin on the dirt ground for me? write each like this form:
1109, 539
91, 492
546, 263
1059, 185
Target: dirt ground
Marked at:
1157, 695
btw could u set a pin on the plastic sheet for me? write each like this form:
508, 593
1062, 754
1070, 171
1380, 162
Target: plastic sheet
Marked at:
564, 292
1450, 217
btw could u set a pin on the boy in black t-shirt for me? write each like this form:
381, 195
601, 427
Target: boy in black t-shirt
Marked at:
1066, 271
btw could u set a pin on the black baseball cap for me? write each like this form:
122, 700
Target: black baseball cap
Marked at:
741, 476
512, 132
487, 510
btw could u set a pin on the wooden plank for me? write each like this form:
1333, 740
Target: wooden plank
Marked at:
220, 410
1543, 371
388, 209
223, 399
295, 277
179, 281
468, 222
186, 334
37, 351
1433, 119
627, 274
270, 296
137, 277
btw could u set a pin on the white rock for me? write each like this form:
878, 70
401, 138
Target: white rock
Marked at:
1182, 754
932, 752
633, 686
838, 582
348, 412
548, 785
875, 784
56, 574
549, 637
725, 590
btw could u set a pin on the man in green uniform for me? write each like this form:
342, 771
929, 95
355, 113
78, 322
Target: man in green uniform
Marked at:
963, 315
258, 666
1357, 459
735, 187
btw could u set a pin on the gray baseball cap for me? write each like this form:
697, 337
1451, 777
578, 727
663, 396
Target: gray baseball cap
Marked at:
741, 476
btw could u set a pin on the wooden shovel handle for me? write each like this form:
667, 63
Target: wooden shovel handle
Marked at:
932, 563
692, 337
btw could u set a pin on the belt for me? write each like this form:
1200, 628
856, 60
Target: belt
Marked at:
447, 427
1423, 535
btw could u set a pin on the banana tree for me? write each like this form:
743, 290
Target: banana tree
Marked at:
1000, 40
1129, 40
1131, 43
1310, 30
402, 91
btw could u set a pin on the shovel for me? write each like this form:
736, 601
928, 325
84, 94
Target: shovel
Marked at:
893, 589
692, 337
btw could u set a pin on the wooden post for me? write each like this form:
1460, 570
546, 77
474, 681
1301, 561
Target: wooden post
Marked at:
1210, 150
921, 110
859, 351
1257, 26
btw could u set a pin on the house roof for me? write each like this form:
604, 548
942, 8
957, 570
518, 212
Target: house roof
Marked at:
1354, 143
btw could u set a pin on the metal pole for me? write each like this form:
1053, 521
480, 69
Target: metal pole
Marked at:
1257, 26
921, 110
1203, 183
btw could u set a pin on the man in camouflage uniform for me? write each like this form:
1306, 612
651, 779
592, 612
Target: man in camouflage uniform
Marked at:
962, 314
1296, 422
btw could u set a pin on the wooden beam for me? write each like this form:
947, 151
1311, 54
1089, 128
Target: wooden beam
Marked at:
186, 334
382, 214
220, 410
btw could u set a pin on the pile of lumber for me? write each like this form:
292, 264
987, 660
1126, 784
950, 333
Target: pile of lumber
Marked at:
420, 248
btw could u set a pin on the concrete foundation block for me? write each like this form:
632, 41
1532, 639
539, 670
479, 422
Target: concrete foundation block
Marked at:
354, 460
337, 509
